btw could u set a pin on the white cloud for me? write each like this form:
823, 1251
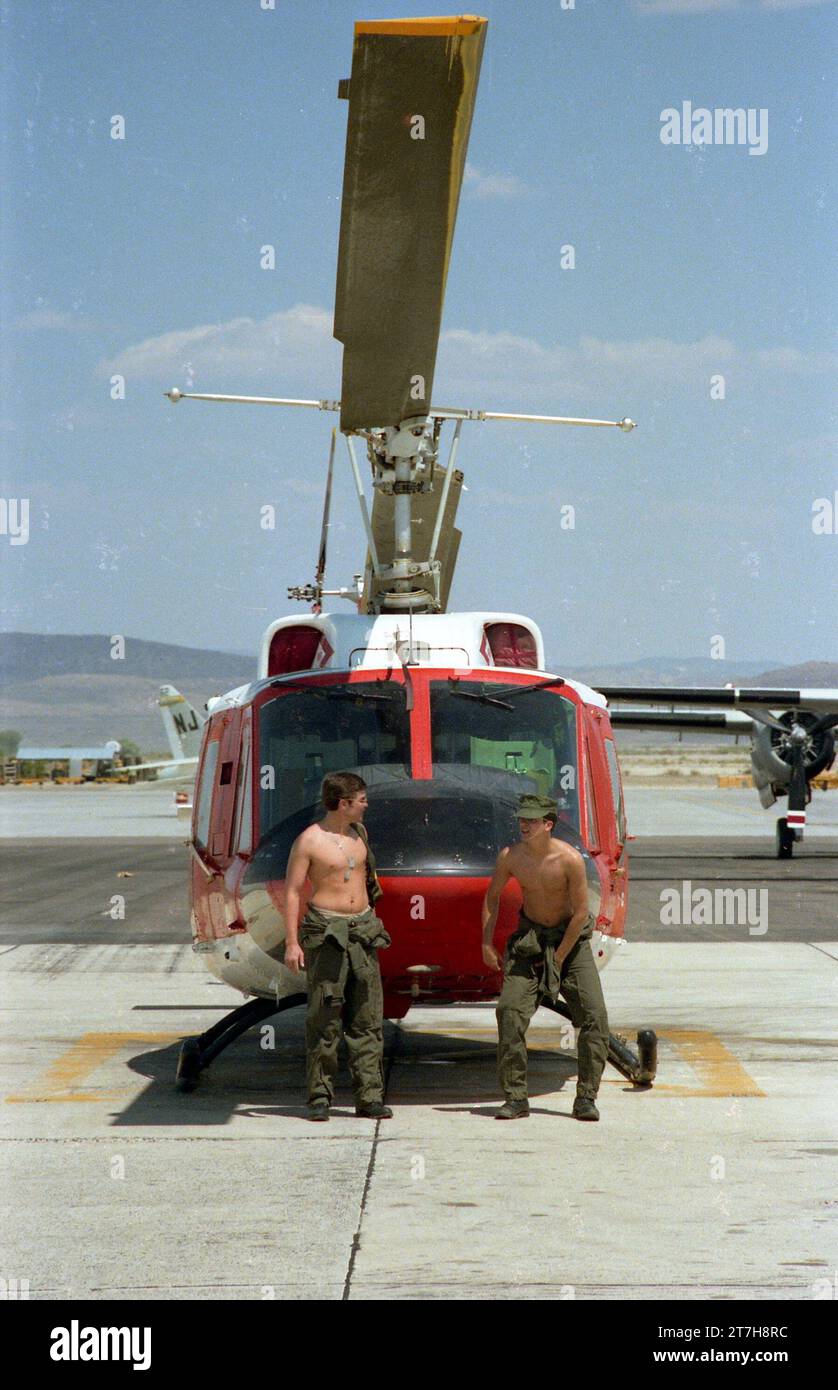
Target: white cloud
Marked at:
660, 356
503, 365
492, 185
792, 360
293, 345
293, 352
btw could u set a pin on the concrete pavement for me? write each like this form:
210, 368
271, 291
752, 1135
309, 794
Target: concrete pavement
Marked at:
719, 1182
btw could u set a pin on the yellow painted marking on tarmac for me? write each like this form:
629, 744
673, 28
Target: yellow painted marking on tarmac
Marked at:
68, 1071
720, 1071
715, 1065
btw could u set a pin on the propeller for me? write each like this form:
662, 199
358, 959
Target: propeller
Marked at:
797, 744
798, 791
411, 99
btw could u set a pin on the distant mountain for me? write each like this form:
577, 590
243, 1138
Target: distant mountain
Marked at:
670, 671
804, 676
702, 671
63, 690
31, 655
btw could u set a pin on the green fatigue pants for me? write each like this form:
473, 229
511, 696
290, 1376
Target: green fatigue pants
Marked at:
344, 987
529, 975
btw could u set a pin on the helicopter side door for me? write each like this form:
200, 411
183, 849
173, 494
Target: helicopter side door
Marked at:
213, 911
606, 791
619, 824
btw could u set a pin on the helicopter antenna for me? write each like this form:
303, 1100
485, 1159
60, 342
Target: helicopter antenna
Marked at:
320, 568
313, 593
324, 529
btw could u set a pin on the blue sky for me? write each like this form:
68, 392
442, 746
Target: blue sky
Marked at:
141, 256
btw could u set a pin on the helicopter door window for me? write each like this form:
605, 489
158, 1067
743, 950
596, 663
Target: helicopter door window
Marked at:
202, 818
616, 789
221, 814
590, 807
243, 839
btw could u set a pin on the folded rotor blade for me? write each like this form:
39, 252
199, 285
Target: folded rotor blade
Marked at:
411, 99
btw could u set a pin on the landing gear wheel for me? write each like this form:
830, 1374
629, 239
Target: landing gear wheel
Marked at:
785, 839
189, 1065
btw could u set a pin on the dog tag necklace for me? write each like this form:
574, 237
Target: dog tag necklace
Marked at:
350, 858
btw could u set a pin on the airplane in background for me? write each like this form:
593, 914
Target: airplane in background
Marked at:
790, 731
184, 727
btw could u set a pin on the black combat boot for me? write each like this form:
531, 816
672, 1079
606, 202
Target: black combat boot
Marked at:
514, 1110
376, 1110
317, 1110
584, 1109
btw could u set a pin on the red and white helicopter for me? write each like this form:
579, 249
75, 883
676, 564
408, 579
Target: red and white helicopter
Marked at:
448, 717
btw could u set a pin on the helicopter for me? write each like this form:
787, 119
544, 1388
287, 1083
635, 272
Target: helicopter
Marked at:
448, 717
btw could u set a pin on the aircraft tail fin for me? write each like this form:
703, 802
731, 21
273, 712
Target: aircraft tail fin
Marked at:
182, 722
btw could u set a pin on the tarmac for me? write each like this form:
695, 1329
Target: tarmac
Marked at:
46, 811
718, 1182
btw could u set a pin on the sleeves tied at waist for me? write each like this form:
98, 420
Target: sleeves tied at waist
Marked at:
350, 941
532, 941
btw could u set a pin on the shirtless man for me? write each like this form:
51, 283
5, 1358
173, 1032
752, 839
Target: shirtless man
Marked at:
336, 944
549, 950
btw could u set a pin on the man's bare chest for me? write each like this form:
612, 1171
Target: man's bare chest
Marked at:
332, 853
547, 876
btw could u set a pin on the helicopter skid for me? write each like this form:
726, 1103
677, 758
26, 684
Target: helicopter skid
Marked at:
640, 1067
197, 1053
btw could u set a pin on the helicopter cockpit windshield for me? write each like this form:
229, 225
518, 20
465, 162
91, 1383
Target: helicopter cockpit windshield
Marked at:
311, 731
517, 740
489, 743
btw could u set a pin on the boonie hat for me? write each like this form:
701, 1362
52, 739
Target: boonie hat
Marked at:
532, 807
